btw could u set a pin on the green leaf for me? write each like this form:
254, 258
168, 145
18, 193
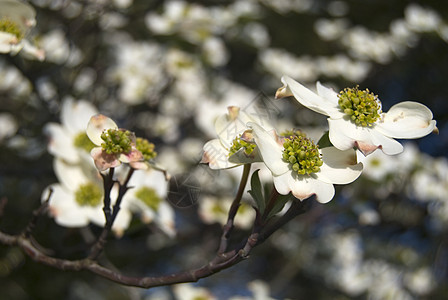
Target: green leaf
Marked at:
324, 141
279, 204
256, 191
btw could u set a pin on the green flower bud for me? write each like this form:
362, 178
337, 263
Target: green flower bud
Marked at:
149, 197
302, 154
362, 107
116, 141
146, 148
89, 194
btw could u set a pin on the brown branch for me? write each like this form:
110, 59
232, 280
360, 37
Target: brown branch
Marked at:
98, 247
219, 263
36, 214
227, 229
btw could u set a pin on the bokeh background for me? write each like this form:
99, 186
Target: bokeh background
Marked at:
167, 69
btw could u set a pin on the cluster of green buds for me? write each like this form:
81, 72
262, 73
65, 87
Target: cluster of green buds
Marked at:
362, 106
301, 153
89, 194
6, 25
239, 143
146, 148
82, 141
149, 197
117, 141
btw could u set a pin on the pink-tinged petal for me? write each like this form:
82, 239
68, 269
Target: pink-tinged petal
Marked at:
75, 115
407, 120
270, 150
132, 156
345, 135
339, 167
97, 124
60, 143
104, 161
312, 100
303, 187
216, 155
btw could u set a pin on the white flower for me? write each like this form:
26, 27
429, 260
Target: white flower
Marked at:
115, 145
215, 210
298, 166
147, 197
78, 199
233, 146
187, 291
8, 126
69, 140
16, 20
363, 126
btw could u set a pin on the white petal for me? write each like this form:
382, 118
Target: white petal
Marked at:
97, 124
60, 143
339, 167
311, 100
303, 187
216, 155
70, 175
345, 135
75, 115
407, 120
150, 178
270, 150
327, 93
229, 127
65, 210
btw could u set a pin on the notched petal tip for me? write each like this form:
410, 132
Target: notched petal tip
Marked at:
435, 130
283, 92
233, 111
365, 148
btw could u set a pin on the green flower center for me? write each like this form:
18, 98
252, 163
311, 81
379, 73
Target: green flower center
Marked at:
149, 197
6, 25
82, 141
301, 153
363, 107
218, 209
238, 143
146, 148
116, 141
89, 194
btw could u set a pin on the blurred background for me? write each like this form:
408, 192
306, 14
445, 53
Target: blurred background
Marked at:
166, 70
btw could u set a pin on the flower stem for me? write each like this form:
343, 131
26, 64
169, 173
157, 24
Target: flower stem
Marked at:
110, 217
227, 229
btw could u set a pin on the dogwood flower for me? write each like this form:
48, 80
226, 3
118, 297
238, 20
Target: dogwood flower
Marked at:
147, 198
69, 140
77, 199
356, 120
16, 20
115, 145
233, 147
300, 167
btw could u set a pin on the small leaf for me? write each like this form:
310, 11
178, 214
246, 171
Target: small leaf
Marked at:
279, 204
324, 141
256, 191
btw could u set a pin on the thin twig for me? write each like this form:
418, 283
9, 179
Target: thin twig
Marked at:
36, 214
98, 247
227, 229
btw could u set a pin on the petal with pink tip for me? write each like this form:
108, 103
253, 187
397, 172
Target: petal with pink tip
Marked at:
97, 124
